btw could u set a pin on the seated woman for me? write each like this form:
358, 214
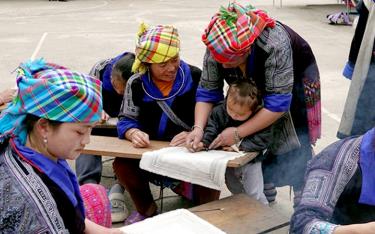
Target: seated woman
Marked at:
158, 104
339, 191
49, 121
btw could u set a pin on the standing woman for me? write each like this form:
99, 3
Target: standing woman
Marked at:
158, 104
49, 121
245, 43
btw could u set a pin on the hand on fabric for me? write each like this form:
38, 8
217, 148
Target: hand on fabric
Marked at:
225, 138
140, 139
179, 139
7, 96
194, 139
228, 148
105, 117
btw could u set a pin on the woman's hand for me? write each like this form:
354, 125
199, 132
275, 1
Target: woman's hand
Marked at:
140, 139
225, 138
179, 139
194, 139
7, 96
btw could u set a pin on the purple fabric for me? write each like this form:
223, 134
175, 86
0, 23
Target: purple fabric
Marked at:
107, 85
59, 172
367, 164
277, 102
212, 96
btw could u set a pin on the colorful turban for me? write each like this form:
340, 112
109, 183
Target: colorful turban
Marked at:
233, 30
155, 45
52, 92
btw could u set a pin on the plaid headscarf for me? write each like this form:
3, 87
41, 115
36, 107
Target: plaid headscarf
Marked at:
52, 92
233, 30
155, 44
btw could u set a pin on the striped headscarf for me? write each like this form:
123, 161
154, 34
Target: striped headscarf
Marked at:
233, 30
155, 44
52, 92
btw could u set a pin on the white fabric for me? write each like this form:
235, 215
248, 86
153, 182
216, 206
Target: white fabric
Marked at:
179, 221
206, 168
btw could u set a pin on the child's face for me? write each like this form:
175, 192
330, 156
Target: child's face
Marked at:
118, 84
236, 111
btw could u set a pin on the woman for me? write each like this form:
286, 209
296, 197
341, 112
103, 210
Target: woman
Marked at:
49, 121
339, 191
357, 118
158, 104
243, 42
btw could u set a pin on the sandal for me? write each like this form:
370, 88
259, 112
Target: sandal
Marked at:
135, 217
340, 18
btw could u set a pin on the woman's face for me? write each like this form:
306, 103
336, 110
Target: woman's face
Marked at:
68, 140
166, 71
237, 62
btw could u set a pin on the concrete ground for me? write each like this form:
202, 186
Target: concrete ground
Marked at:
78, 33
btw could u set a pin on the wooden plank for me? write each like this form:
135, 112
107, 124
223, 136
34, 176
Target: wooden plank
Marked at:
239, 214
112, 146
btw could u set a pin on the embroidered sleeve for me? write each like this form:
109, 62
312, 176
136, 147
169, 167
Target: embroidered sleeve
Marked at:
129, 111
278, 68
320, 227
211, 84
327, 175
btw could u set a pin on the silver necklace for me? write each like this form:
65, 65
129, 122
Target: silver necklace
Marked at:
166, 98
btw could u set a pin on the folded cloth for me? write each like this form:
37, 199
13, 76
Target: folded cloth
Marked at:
206, 168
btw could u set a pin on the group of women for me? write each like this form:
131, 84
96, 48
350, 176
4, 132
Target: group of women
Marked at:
51, 118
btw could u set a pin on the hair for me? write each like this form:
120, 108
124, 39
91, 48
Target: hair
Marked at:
123, 67
32, 119
244, 93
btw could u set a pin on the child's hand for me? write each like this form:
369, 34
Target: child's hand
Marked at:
104, 117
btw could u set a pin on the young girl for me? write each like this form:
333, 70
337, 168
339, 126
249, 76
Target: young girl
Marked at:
49, 121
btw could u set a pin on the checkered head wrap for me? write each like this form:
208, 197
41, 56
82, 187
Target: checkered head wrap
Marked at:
52, 92
155, 44
233, 30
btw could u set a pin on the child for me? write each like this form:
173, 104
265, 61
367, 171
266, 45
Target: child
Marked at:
114, 73
242, 102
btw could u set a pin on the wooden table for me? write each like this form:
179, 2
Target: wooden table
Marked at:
242, 214
112, 146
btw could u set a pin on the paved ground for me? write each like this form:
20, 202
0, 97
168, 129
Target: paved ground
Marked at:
77, 33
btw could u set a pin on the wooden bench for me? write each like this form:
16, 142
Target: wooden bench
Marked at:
240, 213
112, 146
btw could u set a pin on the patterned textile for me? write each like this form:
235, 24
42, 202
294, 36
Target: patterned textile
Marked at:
52, 92
326, 178
155, 44
26, 203
97, 205
233, 30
